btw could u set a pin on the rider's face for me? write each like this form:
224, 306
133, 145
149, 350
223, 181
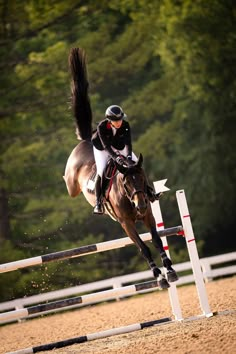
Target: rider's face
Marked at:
117, 124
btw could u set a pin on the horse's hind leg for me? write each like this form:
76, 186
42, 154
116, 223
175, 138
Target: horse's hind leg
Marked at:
72, 183
146, 253
73, 187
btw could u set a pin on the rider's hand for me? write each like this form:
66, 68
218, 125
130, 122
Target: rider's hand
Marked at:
120, 160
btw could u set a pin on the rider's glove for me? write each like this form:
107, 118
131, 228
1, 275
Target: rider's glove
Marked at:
120, 160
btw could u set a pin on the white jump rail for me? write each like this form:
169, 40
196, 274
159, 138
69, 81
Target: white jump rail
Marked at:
85, 299
93, 336
84, 250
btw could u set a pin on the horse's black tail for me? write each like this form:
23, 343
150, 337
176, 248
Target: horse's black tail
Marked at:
80, 101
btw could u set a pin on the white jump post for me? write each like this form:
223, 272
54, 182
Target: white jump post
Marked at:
173, 294
193, 253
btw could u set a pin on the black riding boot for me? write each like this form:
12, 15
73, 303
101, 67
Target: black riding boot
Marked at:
98, 191
152, 196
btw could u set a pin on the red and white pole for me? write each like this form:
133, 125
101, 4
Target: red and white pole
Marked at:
193, 253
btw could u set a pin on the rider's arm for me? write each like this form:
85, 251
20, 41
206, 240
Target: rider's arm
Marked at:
105, 138
111, 152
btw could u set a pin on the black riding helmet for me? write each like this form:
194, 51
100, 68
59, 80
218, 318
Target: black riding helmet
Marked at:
115, 113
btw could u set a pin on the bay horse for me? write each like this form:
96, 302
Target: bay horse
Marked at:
127, 199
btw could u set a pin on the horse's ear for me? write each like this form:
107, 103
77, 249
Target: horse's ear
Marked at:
140, 160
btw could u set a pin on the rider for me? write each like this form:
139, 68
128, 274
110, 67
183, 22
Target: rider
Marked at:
112, 139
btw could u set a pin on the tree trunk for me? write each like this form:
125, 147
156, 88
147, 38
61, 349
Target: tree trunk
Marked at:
4, 216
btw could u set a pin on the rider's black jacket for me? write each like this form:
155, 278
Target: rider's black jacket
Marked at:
103, 137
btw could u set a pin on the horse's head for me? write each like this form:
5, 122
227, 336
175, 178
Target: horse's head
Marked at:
135, 185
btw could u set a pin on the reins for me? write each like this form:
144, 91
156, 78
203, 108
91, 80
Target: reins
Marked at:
113, 174
128, 195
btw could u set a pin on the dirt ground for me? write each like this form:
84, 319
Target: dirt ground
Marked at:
209, 335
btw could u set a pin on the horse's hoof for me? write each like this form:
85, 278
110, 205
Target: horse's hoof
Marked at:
162, 282
172, 276
156, 272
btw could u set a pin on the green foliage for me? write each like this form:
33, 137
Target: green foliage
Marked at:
171, 65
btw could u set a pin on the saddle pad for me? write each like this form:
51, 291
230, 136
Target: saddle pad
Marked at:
91, 182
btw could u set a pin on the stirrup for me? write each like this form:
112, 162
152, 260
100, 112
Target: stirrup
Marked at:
99, 209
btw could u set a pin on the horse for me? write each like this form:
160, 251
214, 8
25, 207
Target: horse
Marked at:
127, 198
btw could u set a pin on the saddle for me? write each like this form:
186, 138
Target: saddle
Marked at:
107, 179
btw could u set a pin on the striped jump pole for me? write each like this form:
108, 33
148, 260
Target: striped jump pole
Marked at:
85, 299
193, 253
93, 336
84, 250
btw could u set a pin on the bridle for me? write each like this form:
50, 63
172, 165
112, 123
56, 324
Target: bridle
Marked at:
131, 170
134, 191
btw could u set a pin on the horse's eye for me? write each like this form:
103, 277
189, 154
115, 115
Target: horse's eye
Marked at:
133, 177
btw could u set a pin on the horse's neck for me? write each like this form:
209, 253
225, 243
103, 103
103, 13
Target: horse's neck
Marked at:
119, 184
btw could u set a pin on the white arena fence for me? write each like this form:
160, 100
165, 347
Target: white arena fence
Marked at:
197, 273
209, 271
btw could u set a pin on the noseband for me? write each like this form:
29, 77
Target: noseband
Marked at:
136, 191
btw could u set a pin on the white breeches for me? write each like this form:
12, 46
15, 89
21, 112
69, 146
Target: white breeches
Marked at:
101, 157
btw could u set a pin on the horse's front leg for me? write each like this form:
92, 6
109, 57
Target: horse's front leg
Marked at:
129, 228
166, 261
150, 223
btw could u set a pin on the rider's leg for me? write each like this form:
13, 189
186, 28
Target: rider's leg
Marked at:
101, 157
98, 209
